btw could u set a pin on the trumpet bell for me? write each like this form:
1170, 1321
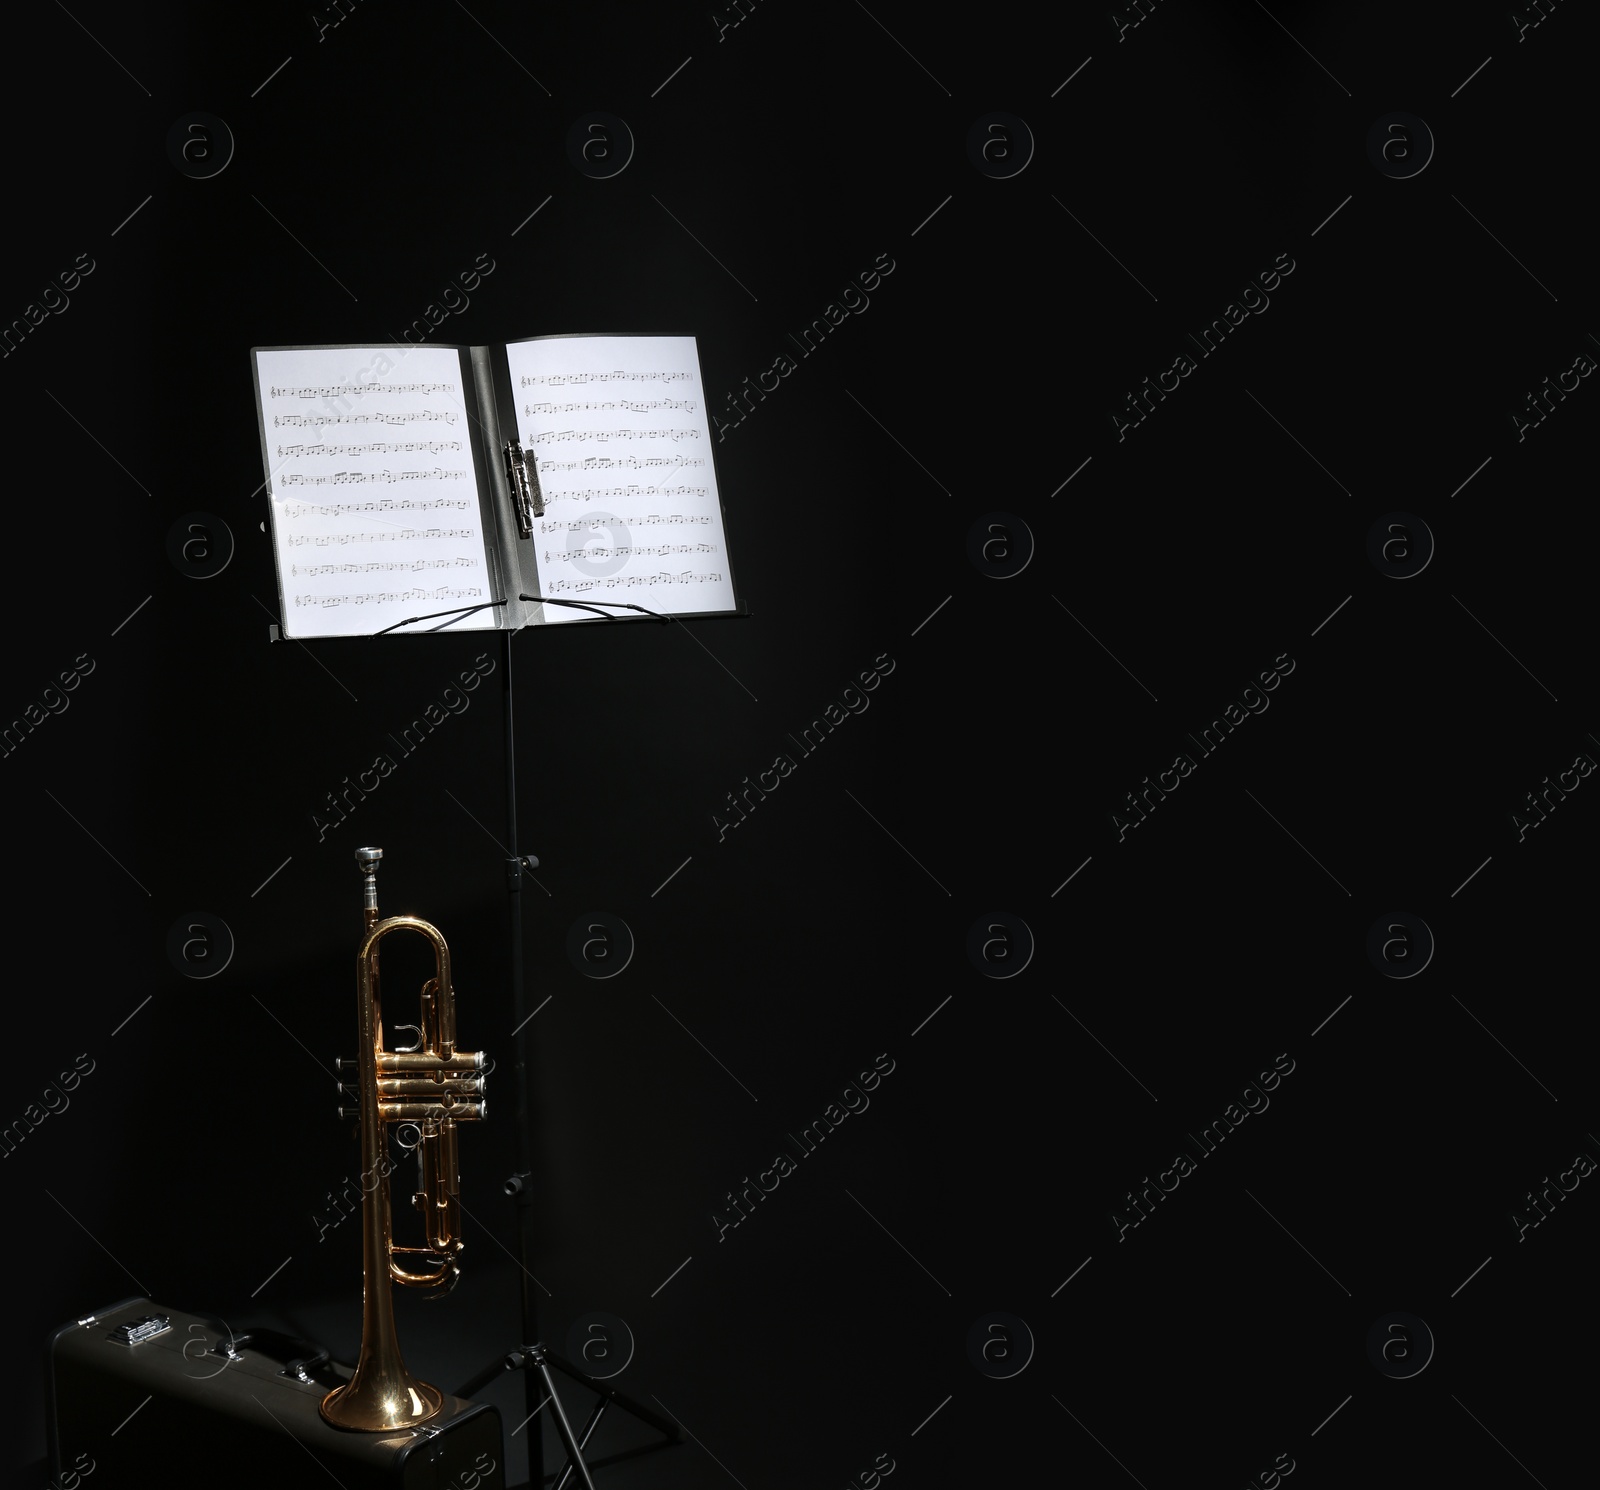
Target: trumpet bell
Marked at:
376, 1401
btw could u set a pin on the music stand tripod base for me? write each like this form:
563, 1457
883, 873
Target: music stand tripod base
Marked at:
537, 1357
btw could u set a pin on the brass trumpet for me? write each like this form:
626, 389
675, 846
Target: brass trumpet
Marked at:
432, 1086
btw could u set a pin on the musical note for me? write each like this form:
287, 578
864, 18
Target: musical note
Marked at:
612, 462
346, 478
399, 535
423, 416
688, 577
382, 447
686, 404
388, 504
619, 434
554, 380
654, 520
413, 564
600, 551
379, 597
558, 495
357, 389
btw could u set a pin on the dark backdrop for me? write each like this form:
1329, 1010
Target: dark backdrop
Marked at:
1170, 562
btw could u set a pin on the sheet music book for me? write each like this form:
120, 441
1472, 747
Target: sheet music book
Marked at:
392, 495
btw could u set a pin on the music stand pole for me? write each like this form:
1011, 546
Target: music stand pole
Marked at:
532, 1352
519, 1186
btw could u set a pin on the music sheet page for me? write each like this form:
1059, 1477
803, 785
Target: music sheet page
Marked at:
375, 514
619, 429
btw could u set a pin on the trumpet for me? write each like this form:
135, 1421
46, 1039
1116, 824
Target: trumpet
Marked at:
430, 1086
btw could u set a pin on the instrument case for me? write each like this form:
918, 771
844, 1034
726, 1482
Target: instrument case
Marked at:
139, 1393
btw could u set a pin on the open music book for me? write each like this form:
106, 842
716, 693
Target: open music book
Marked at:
393, 494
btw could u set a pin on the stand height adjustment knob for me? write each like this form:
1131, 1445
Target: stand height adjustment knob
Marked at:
515, 868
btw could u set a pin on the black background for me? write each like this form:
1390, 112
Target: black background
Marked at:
783, 158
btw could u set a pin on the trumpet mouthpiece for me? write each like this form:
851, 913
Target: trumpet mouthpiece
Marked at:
367, 859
